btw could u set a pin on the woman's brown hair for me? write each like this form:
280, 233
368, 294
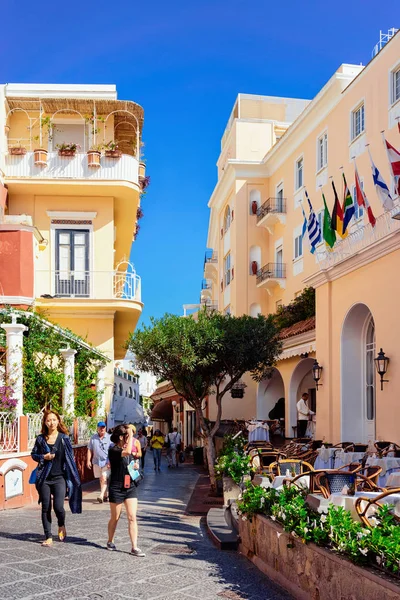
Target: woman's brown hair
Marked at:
120, 430
61, 426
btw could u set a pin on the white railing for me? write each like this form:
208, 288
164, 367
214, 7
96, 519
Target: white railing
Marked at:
85, 431
34, 427
125, 168
8, 432
97, 285
358, 240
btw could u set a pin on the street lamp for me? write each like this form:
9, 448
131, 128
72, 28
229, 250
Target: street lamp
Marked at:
381, 364
317, 370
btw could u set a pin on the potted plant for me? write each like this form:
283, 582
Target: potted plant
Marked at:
40, 153
17, 150
111, 150
67, 149
94, 155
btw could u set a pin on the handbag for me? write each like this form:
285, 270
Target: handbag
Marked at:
33, 476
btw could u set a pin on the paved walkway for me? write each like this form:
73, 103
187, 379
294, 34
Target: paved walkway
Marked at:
181, 562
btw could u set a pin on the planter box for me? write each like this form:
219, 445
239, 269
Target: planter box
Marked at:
40, 156
17, 151
231, 490
66, 152
113, 153
307, 571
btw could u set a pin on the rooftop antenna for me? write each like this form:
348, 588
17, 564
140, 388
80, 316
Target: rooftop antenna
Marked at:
383, 40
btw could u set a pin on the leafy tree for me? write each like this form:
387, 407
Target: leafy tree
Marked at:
204, 356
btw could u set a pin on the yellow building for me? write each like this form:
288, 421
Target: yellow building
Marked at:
273, 149
73, 196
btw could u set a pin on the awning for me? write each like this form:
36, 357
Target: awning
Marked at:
162, 411
127, 410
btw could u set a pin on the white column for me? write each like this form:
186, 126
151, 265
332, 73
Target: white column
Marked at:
15, 372
68, 355
101, 388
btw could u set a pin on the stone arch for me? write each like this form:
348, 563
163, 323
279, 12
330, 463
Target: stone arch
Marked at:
268, 393
358, 375
301, 381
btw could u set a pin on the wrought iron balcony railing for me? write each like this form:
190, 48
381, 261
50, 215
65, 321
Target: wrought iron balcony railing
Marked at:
271, 271
272, 205
206, 284
211, 257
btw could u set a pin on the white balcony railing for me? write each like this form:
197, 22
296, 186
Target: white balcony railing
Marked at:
34, 427
96, 285
8, 432
125, 168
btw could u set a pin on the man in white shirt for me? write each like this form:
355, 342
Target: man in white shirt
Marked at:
173, 441
303, 415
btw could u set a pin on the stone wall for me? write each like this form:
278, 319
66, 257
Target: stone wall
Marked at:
307, 571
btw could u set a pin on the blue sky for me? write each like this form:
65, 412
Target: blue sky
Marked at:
185, 62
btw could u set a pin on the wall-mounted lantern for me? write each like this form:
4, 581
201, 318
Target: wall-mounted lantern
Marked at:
317, 371
381, 364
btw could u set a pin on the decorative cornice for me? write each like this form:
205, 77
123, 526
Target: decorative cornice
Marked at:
66, 214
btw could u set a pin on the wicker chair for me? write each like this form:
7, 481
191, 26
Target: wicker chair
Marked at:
262, 461
372, 473
298, 466
313, 484
346, 446
383, 448
353, 467
359, 448
372, 503
332, 482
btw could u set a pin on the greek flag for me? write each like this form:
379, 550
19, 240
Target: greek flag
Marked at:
314, 230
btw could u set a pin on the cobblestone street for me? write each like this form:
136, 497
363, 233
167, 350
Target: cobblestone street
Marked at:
180, 562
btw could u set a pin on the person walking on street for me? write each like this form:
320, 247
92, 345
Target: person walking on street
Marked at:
97, 456
172, 440
303, 415
156, 444
143, 444
123, 490
56, 468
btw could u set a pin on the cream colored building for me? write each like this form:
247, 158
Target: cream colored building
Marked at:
70, 216
272, 150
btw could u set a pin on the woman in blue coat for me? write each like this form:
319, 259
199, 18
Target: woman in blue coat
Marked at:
56, 473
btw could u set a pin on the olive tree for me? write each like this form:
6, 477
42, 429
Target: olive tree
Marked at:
206, 356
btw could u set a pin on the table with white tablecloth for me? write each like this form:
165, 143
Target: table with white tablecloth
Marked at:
325, 458
258, 431
389, 465
345, 458
349, 502
393, 480
301, 481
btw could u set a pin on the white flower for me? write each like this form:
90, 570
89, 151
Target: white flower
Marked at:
283, 516
360, 535
262, 501
273, 517
366, 531
244, 518
305, 529
378, 560
322, 509
364, 551
323, 518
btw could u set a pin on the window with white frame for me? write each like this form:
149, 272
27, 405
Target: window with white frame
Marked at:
298, 246
358, 210
395, 85
299, 173
322, 151
357, 121
279, 198
227, 269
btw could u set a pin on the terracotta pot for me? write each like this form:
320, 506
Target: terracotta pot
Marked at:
232, 215
142, 169
113, 153
222, 285
254, 267
66, 152
93, 158
254, 207
40, 157
17, 151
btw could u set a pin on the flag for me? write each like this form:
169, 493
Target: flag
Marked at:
394, 162
381, 188
304, 230
313, 228
337, 216
328, 233
362, 198
348, 206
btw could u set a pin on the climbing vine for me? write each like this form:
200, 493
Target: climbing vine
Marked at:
43, 366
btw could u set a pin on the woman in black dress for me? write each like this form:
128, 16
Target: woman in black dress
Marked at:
56, 468
122, 490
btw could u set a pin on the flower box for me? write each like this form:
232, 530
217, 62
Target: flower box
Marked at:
93, 158
306, 570
113, 153
40, 157
17, 151
66, 152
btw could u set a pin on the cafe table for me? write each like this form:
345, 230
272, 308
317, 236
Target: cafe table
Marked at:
389, 465
325, 459
349, 502
345, 458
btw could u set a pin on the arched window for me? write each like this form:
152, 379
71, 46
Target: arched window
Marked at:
120, 390
370, 370
227, 218
130, 394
